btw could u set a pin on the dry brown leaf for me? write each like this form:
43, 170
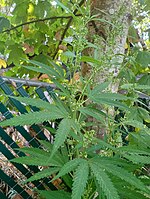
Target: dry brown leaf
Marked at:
28, 48
62, 47
44, 76
58, 35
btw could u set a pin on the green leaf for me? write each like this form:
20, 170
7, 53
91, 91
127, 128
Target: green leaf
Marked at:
144, 113
36, 161
99, 88
145, 80
41, 8
143, 58
63, 6
142, 87
61, 134
36, 152
68, 167
141, 139
80, 180
104, 181
133, 35
32, 118
135, 158
47, 145
126, 191
99, 115
59, 108
43, 67
76, 127
101, 144
90, 60
36, 69
109, 102
62, 88
136, 124
55, 194
69, 54
16, 49
42, 174
111, 96
131, 149
123, 174
41, 154
145, 4
4, 24
35, 102
57, 68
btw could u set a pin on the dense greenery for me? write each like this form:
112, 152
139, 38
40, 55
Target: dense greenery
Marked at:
102, 144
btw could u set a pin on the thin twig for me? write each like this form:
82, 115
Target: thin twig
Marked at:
38, 20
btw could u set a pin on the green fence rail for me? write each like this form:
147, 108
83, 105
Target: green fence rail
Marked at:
8, 144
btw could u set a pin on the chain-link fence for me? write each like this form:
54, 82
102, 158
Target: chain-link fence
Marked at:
12, 174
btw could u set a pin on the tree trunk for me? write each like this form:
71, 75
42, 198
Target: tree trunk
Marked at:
108, 29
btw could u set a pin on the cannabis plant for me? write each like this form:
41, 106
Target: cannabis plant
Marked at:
88, 153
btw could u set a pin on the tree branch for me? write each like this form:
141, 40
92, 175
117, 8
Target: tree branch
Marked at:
67, 26
38, 20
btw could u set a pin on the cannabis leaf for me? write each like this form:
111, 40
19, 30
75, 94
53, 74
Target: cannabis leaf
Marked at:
61, 134
97, 114
104, 181
124, 175
31, 160
136, 158
42, 174
33, 118
35, 102
43, 68
80, 180
36, 155
55, 194
68, 167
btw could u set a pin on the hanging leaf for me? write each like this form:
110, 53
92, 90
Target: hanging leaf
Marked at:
4, 24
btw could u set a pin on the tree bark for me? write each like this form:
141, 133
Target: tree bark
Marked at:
108, 29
